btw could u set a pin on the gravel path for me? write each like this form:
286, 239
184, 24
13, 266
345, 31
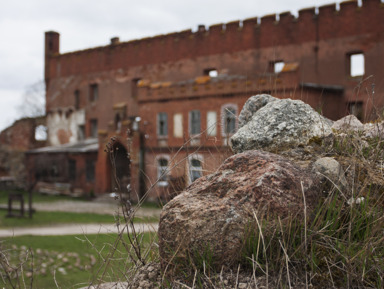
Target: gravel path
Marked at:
95, 207
73, 229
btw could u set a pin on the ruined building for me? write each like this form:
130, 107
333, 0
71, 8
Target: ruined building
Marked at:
179, 94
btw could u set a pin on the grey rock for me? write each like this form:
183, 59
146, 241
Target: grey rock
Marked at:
252, 105
347, 124
243, 286
279, 125
331, 170
372, 130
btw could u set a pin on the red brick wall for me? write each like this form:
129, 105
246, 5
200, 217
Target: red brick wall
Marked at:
319, 43
349, 21
21, 134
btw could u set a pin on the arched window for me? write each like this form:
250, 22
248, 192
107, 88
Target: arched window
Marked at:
195, 167
162, 171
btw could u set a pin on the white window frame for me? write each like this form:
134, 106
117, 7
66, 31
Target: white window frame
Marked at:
191, 168
162, 171
224, 111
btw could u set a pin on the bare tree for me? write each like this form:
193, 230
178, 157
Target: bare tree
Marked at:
33, 100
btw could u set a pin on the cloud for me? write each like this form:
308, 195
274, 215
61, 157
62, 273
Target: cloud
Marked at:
9, 99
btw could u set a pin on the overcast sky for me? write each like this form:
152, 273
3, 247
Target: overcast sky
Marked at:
84, 24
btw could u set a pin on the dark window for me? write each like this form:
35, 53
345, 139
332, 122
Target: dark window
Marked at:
162, 172
162, 124
90, 170
195, 169
93, 127
117, 122
134, 85
194, 122
77, 99
93, 92
72, 170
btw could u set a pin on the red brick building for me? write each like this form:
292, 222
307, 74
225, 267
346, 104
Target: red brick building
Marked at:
23, 135
180, 93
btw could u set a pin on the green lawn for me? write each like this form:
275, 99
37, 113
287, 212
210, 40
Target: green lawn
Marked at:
74, 261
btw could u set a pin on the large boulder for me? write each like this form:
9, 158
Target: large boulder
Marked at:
212, 215
279, 125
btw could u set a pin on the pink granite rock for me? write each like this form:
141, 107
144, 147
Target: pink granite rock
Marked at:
213, 213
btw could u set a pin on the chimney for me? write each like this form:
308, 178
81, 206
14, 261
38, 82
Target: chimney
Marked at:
201, 28
52, 43
115, 40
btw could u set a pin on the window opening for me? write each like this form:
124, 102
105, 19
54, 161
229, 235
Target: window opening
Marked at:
93, 132
357, 64
162, 172
212, 72
117, 122
77, 99
162, 124
90, 170
278, 66
229, 120
178, 125
194, 122
211, 123
94, 92
195, 169
134, 84
81, 132
41, 133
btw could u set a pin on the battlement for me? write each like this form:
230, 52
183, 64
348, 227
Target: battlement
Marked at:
311, 24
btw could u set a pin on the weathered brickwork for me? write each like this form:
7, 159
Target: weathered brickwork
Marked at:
176, 92
14, 142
